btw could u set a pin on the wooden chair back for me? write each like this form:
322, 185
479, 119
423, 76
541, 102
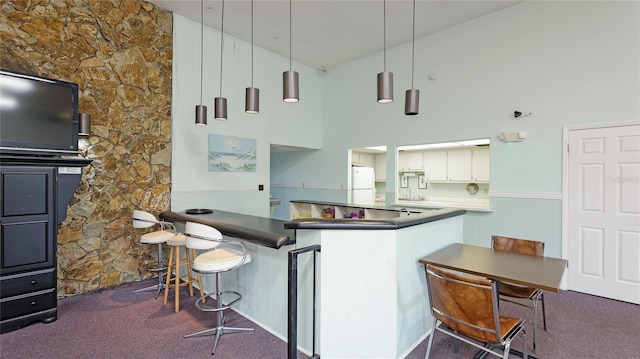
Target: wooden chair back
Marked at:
517, 245
468, 305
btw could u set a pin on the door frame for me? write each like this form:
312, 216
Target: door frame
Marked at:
566, 130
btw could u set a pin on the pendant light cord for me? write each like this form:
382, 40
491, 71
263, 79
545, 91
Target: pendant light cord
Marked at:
251, 43
290, 36
201, 44
384, 33
413, 42
221, 45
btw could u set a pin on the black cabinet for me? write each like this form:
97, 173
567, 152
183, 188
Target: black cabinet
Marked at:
34, 194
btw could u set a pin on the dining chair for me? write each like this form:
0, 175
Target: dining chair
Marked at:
467, 307
509, 291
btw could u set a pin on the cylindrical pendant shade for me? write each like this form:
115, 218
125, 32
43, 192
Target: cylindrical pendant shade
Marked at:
411, 102
84, 124
220, 108
290, 86
385, 87
252, 100
201, 115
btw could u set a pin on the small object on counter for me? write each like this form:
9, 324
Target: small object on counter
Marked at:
328, 213
198, 211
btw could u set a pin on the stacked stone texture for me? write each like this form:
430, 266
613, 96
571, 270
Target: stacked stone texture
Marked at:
119, 52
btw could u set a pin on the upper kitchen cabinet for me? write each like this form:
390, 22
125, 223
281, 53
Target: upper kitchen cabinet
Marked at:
435, 166
381, 167
410, 161
480, 165
459, 166
463, 165
362, 159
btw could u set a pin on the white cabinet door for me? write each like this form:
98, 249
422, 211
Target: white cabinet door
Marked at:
362, 159
410, 160
381, 167
435, 165
459, 166
480, 165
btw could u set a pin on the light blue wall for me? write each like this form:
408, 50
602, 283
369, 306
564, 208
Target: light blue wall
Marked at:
278, 123
571, 62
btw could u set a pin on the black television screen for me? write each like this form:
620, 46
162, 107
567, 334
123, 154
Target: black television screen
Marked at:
38, 115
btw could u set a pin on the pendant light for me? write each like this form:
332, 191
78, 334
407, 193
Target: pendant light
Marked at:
252, 94
412, 96
290, 78
220, 103
385, 78
201, 110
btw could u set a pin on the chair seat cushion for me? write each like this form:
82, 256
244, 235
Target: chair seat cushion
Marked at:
218, 260
156, 237
177, 240
516, 291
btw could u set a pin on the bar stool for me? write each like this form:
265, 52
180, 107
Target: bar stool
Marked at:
176, 262
142, 219
225, 256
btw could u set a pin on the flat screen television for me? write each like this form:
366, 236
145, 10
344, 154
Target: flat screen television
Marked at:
38, 115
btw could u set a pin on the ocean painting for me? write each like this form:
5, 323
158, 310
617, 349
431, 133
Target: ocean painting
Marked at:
231, 154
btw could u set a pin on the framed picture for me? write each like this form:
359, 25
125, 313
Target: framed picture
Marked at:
422, 183
404, 181
231, 154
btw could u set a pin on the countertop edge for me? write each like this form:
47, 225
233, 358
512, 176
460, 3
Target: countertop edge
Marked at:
412, 219
251, 235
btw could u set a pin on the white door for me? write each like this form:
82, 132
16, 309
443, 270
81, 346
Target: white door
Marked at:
604, 212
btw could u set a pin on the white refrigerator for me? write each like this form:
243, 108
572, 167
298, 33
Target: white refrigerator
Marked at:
363, 185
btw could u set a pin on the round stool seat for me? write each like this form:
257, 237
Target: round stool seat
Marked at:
219, 260
156, 237
177, 240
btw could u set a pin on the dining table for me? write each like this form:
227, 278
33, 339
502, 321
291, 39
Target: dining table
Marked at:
527, 270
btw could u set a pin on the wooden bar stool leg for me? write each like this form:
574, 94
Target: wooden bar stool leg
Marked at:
199, 277
189, 275
168, 282
176, 280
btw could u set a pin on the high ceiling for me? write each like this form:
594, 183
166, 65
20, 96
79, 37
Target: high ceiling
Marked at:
327, 33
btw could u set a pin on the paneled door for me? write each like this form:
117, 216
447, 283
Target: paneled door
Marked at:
604, 212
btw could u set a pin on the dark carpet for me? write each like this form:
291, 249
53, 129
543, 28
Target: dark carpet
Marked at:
119, 324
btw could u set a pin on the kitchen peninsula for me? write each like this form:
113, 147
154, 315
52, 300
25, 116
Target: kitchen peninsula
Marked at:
371, 294
373, 297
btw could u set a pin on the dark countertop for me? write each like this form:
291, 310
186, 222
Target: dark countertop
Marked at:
414, 218
262, 231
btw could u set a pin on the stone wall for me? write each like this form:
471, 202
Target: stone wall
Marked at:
119, 52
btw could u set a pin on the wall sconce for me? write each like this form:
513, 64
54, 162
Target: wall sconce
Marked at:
512, 136
84, 124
